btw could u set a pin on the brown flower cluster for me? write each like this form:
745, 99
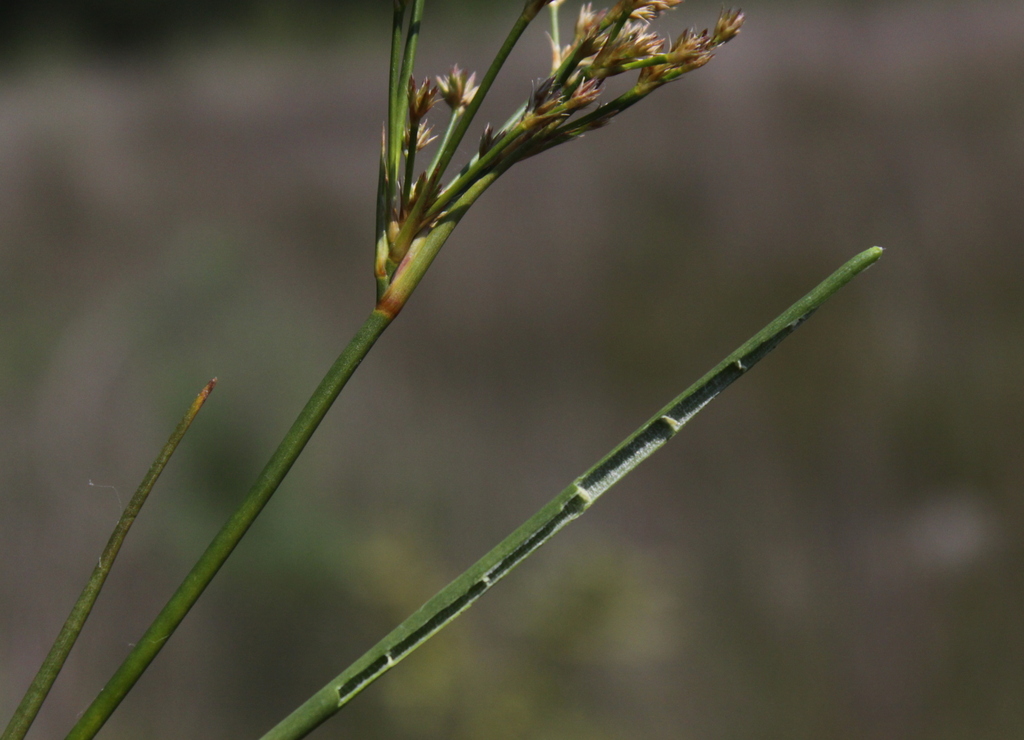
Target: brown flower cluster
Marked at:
619, 40
605, 43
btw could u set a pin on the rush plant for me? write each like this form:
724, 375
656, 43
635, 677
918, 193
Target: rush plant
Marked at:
418, 207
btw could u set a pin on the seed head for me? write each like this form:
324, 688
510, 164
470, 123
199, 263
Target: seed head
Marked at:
588, 24
487, 139
636, 42
584, 95
547, 105
643, 10
690, 46
651, 9
421, 99
558, 53
456, 89
419, 190
728, 26
426, 135
545, 97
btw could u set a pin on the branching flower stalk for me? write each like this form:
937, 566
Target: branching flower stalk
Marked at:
605, 44
416, 212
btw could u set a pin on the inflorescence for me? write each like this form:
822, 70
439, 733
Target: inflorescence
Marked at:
605, 43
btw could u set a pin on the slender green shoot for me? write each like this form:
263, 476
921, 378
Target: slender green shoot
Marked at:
566, 506
401, 95
231, 533
36, 694
424, 249
448, 189
474, 170
410, 162
448, 150
449, 131
448, 147
383, 206
393, 130
553, 12
413, 221
556, 39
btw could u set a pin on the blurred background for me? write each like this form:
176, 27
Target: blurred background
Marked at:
831, 550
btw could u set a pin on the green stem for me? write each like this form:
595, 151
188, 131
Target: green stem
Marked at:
380, 259
453, 121
556, 40
448, 151
566, 506
413, 221
651, 61
43, 682
401, 95
410, 162
478, 166
629, 98
423, 250
512, 120
232, 532
393, 140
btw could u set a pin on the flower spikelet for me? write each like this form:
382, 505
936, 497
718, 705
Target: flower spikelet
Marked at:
487, 139
456, 89
421, 99
728, 26
588, 25
647, 11
424, 137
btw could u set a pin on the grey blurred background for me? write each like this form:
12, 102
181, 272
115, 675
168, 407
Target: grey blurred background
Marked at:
831, 550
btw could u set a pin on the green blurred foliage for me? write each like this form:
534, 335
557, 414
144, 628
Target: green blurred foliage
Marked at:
146, 26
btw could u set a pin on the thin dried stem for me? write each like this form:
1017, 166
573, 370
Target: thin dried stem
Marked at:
43, 681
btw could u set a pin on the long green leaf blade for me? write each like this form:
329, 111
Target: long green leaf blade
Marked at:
566, 506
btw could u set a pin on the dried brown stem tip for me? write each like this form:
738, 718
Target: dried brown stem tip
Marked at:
206, 391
